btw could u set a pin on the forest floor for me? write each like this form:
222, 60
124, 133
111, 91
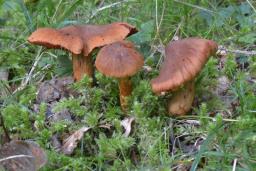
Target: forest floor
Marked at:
83, 128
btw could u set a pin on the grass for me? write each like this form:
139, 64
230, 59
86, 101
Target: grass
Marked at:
218, 134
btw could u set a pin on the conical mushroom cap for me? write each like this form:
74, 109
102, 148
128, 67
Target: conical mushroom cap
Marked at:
81, 38
119, 60
184, 60
52, 38
94, 36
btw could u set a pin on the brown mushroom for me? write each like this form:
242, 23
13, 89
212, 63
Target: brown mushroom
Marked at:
81, 40
184, 60
120, 60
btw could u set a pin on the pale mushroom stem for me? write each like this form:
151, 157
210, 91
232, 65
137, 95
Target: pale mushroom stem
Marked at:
181, 101
125, 88
82, 66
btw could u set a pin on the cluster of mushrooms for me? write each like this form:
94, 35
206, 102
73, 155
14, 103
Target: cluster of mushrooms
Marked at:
118, 58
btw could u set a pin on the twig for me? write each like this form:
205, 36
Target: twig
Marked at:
223, 50
156, 11
194, 6
29, 75
244, 52
16, 156
105, 7
251, 5
234, 164
57, 8
162, 15
174, 37
160, 48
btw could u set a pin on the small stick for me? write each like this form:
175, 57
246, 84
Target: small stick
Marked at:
234, 164
105, 7
16, 156
29, 75
244, 52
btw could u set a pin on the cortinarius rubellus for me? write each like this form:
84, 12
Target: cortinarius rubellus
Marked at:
120, 60
81, 40
184, 60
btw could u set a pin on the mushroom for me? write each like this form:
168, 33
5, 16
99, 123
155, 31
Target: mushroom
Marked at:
120, 60
184, 60
81, 40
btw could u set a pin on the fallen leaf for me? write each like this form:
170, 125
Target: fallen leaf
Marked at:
4, 73
106, 126
223, 84
147, 68
53, 117
38, 153
22, 156
71, 142
56, 143
4, 86
127, 124
55, 89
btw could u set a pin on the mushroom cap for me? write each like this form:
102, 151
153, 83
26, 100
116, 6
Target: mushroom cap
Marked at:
184, 60
94, 36
52, 38
81, 38
119, 59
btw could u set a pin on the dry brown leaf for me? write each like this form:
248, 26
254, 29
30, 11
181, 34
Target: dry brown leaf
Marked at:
55, 89
223, 85
127, 124
71, 142
106, 126
22, 156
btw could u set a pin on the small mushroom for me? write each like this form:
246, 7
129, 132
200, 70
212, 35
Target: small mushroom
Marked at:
81, 40
120, 60
184, 60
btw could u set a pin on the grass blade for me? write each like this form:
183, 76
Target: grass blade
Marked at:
69, 11
203, 148
26, 14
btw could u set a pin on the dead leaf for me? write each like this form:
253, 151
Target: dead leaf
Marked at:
22, 156
127, 124
55, 89
147, 68
56, 143
71, 142
106, 126
4, 73
38, 153
4, 86
223, 85
53, 117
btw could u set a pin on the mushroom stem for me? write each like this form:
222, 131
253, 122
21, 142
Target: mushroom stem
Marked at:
182, 99
125, 88
82, 65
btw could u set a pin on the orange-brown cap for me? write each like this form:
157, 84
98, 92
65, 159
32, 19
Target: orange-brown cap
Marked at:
184, 60
119, 60
82, 38
94, 36
52, 38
